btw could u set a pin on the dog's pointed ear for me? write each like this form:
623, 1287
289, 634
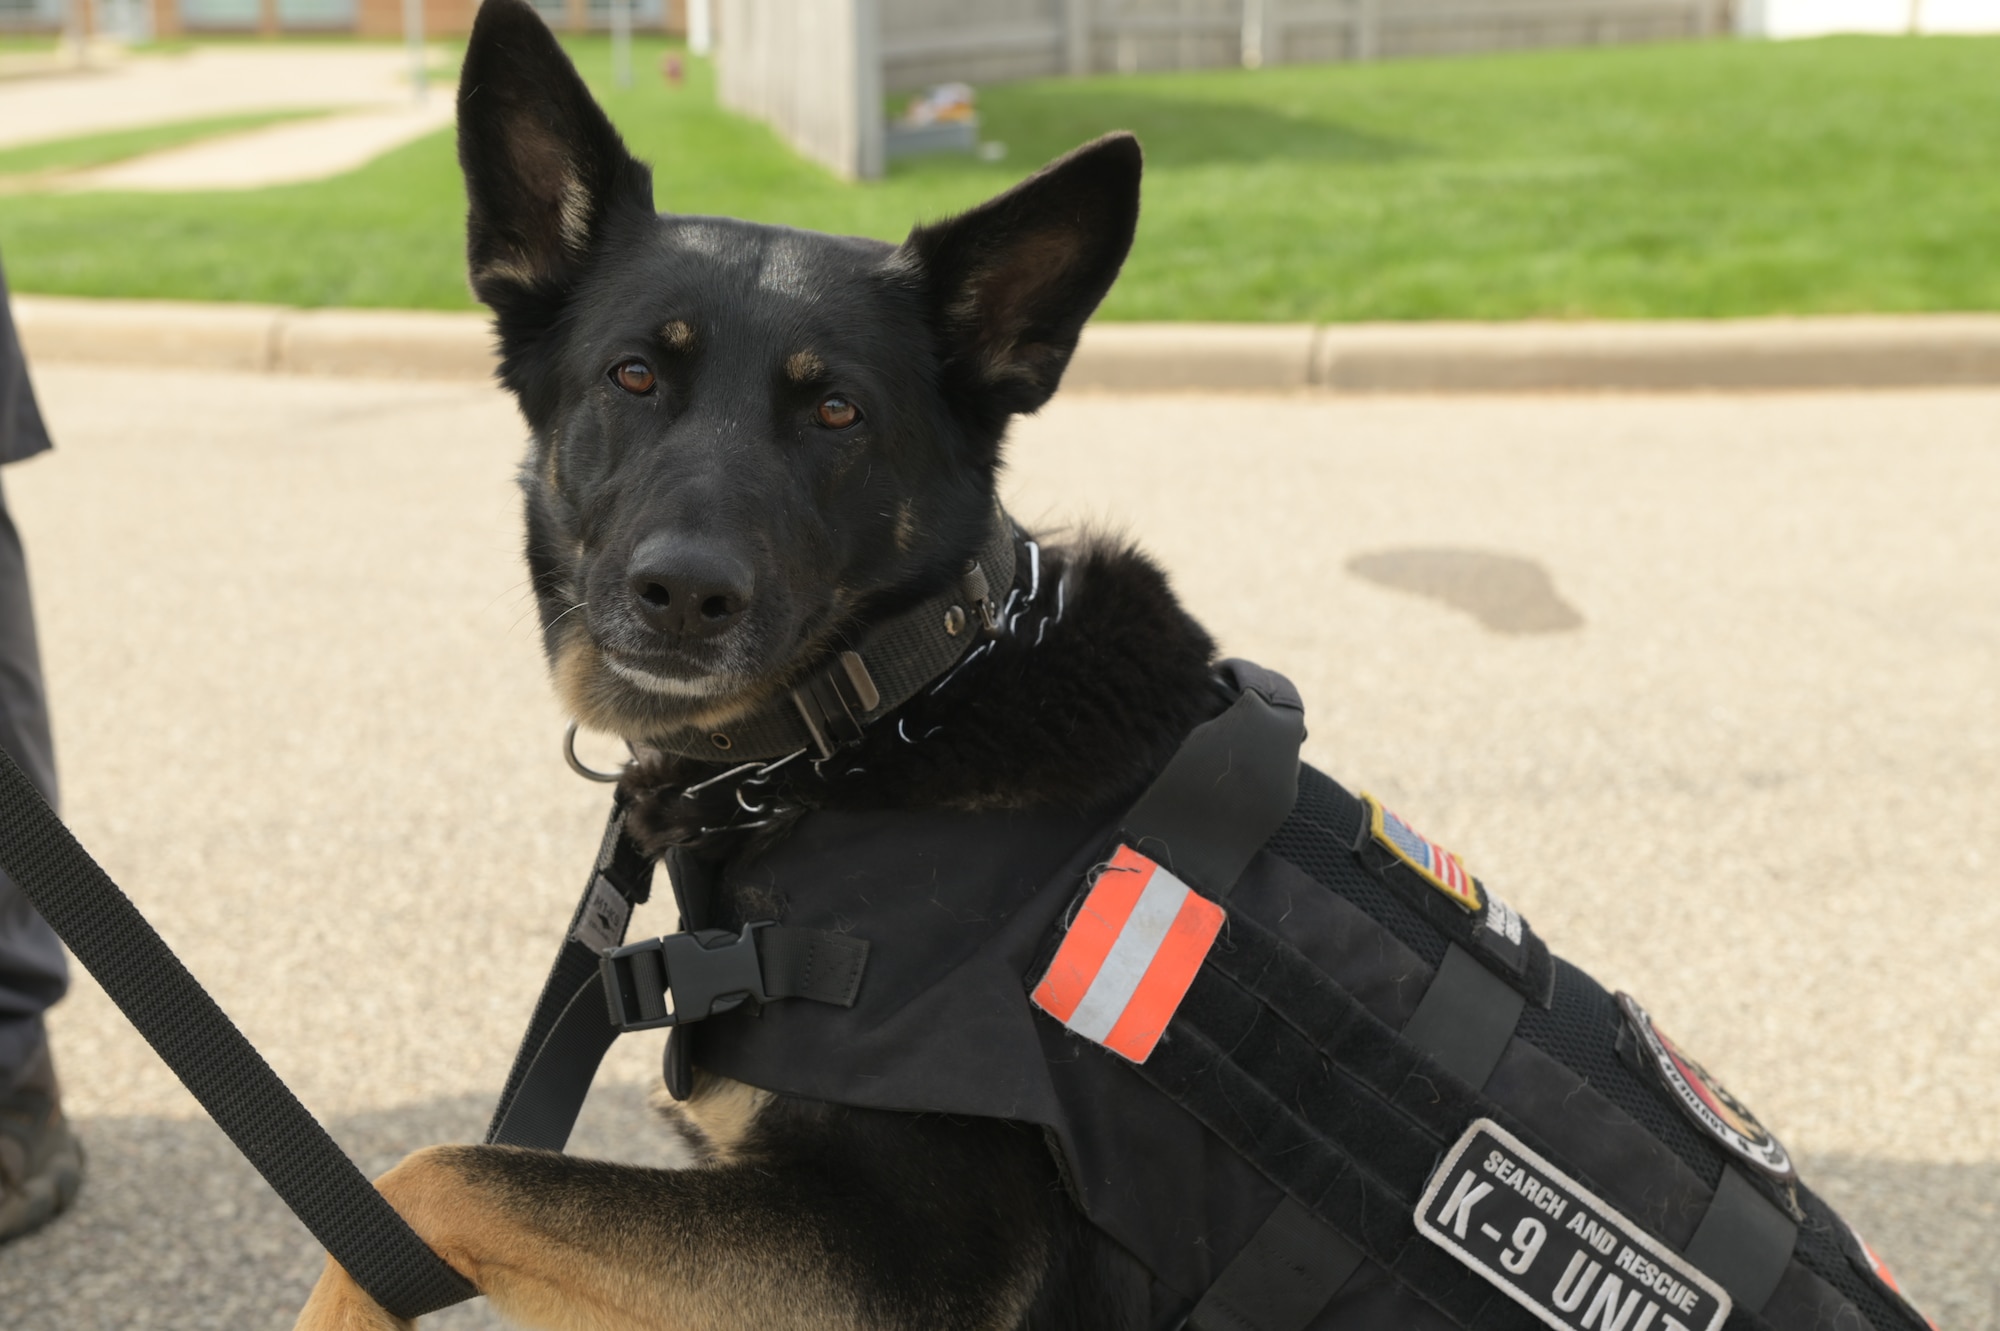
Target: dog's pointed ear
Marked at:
1013, 280
544, 169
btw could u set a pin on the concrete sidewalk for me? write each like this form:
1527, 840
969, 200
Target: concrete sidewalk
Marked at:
205, 82
1746, 774
1861, 351
282, 154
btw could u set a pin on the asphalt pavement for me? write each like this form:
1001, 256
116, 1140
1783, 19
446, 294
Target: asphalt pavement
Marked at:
1707, 686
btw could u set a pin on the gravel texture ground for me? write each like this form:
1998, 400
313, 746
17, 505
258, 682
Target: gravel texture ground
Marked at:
1708, 687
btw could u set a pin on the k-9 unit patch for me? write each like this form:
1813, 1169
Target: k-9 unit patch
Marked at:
1554, 1247
1714, 1110
1432, 862
1128, 956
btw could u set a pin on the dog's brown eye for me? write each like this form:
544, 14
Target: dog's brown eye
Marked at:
837, 413
634, 376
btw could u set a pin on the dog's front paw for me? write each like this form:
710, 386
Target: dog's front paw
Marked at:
338, 1304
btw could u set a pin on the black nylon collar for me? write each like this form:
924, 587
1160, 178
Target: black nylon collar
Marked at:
896, 658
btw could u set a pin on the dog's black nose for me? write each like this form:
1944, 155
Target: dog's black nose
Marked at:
687, 589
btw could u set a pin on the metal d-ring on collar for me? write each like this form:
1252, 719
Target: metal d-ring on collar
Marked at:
577, 764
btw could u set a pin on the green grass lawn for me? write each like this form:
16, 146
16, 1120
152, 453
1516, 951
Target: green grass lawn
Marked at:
1719, 179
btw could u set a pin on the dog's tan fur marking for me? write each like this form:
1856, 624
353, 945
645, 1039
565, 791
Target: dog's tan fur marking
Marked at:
574, 211
550, 1260
906, 526
599, 700
505, 270
678, 334
803, 367
716, 1118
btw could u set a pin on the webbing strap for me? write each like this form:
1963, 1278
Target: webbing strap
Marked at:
195, 1038
1229, 786
1283, 1276
1466, 1018
1743, 1241
812, 963
897, 658
545, 1105
1317, 1093
571, 1029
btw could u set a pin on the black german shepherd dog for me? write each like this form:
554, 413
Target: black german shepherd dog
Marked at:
749, 444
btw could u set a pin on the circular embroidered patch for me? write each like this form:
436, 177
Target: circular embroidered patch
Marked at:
1714, 1110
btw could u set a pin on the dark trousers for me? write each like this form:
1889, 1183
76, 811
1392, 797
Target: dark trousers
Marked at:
33, 970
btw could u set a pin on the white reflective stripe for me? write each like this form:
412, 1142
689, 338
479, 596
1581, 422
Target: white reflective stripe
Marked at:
1125, 965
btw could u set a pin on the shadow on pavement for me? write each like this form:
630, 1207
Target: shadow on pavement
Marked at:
175, 1232
1505, 593
1936, 1225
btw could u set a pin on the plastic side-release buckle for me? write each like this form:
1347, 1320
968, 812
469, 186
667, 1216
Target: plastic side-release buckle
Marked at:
706, 973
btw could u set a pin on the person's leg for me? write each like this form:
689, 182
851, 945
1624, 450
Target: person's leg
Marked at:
33, 971
41, 1165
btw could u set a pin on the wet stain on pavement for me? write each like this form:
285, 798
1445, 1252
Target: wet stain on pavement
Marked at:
1505, 593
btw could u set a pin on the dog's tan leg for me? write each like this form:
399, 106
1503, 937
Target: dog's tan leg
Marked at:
338, 1304
565, 1244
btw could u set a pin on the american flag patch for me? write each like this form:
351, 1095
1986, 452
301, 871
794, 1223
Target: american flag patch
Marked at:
1129, 955
1438, 866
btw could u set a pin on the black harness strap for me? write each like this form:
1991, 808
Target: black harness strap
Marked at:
1466, 1018
1229, 786
1743, 1241
570, 1031
1281, 1279
812, 963
303, 1165
598, 990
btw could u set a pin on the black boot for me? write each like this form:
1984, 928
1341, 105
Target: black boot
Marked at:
41, 1161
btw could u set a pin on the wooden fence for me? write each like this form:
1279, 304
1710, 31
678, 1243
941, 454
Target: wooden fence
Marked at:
986, 41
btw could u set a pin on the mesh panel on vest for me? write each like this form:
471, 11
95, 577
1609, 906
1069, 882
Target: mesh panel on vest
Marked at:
1317, 839
1580, 1030
1820, 1252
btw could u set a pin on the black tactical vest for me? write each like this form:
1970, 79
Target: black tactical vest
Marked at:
1376, 1100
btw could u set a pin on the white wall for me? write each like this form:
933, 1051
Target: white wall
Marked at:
813, 70
1818, 18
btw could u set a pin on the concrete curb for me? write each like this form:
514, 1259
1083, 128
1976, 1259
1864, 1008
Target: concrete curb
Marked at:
269, 339
1862, 351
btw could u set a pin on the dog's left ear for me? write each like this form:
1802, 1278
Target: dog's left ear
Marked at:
1012, 281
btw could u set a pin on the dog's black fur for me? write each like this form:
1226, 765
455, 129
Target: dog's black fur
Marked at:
698, 545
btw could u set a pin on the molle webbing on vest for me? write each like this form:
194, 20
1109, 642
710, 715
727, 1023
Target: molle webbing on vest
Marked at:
1265, 1160
1561, 1080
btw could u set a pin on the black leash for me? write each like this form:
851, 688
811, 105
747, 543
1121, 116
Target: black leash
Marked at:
596, 991
197, 1040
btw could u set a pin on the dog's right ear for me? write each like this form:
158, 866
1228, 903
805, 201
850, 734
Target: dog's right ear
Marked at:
544, 169
1012, 281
